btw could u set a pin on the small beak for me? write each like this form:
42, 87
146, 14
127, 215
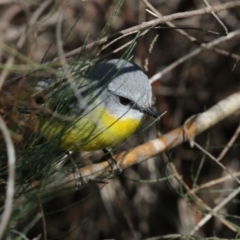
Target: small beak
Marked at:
150, 112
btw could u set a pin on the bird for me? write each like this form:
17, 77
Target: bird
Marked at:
107, 103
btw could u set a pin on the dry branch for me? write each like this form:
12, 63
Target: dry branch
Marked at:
194, 126
155, 22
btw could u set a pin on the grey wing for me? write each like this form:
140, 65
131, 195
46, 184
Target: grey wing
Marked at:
63, 97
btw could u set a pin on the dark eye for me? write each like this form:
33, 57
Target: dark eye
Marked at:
124, 101
40, 100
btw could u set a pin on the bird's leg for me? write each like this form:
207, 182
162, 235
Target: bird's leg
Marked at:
80, 180
112, 162
77, 175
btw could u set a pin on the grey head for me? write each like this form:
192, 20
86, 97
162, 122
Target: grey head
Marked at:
122, 87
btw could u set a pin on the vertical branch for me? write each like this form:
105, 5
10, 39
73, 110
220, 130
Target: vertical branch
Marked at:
8, 205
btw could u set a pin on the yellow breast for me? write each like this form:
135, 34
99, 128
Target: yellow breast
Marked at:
89, 134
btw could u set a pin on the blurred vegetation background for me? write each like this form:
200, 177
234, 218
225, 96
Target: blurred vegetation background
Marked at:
146, 201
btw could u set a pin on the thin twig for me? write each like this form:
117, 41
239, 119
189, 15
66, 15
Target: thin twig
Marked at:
22, 39
216, 16
173, 65
215, 210
8, 205
229, 144
153, 23
192, 39
215, 181
194, 143
198, 200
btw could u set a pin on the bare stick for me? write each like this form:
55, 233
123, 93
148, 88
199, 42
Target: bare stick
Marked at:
216, 17
198, 200
192, 54
230, 143
8, 205
215, 210
155, 22
214, 182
